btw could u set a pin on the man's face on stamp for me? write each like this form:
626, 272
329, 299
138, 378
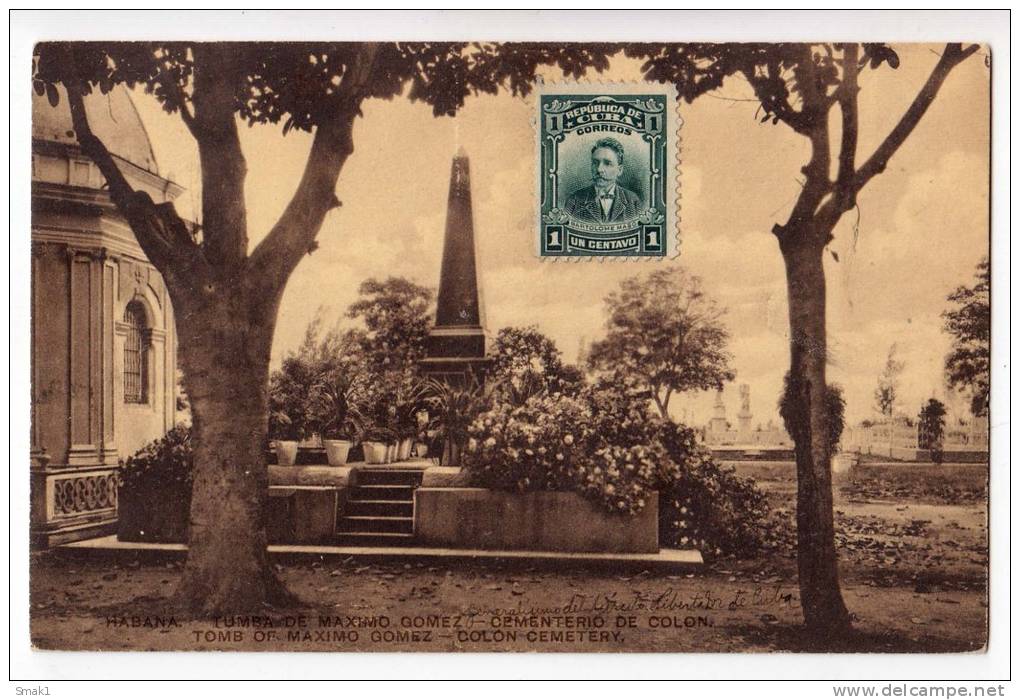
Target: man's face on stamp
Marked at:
605, 201
606, 167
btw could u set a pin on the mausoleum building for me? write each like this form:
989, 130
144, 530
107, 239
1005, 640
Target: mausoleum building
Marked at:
103, 340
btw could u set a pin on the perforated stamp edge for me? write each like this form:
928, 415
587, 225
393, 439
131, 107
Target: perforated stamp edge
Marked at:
674, 126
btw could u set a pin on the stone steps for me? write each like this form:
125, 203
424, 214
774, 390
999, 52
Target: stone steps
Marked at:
377, 524
383, 492
401, 476
380, 509
375, 539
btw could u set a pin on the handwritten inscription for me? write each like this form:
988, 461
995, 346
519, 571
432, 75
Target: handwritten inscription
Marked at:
598, 618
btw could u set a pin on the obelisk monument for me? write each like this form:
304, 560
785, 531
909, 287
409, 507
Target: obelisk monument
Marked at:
456, 347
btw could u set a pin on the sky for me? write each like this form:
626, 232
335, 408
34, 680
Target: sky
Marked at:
923, 224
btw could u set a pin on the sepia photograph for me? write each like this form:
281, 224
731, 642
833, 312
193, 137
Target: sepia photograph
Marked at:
508, 346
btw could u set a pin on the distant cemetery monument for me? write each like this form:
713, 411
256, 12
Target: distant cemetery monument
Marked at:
896, 438
744, 440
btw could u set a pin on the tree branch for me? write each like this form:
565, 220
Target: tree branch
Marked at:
953, 55
161, 233
224, 216
180, 96
847, 98
658, 400
120, 190
765, 89
816, 184
294, 234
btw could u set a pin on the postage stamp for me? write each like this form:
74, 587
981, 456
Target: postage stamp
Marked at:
426, 437
608, 156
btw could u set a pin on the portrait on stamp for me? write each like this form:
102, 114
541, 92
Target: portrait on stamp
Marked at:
605, 200
607, 160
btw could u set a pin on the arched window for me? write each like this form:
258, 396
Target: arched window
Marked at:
136, 360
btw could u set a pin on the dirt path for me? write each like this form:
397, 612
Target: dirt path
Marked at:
88, 605
913, 567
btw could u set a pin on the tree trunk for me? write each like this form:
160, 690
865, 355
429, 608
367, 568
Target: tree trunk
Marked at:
224, 348
825, 613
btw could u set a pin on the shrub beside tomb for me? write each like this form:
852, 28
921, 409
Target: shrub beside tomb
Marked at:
608, 447
154, 493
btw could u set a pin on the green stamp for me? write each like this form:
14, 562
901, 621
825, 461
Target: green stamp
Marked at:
607, 171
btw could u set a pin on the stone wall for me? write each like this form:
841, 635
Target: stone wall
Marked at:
471, 518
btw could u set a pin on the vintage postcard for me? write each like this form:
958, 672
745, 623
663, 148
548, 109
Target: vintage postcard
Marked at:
304, 379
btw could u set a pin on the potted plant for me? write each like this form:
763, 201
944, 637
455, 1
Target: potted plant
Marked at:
290, 407
337, 451
404, 448
420, 448
407, 404
337, 393
376, 444
451, 409
284, 432
392, 437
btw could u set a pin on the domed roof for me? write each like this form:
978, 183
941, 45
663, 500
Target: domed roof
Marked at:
113, 119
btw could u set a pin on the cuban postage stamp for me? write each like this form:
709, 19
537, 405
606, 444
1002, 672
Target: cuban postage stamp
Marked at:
257, 420
607, 171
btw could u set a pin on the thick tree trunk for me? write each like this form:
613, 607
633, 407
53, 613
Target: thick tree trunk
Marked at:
225, 345
822, 603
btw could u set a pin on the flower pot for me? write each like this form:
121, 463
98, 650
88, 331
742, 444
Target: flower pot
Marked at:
286, 452
375, 452
391, 452
404, 449
336, 451
421, 450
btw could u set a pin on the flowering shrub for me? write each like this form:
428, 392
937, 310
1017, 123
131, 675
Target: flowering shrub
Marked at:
705, 505
620, 417
530, 447
618, 477
608, 446
554, 443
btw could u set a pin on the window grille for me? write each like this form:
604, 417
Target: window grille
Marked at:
135, 355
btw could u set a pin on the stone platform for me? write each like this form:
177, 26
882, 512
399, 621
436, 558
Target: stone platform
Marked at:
665, 560
547, 521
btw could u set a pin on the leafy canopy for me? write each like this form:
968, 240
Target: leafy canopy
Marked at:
396, 316
665, 334
526, 357
299, 83
969, 321
781, 74
887, 391
396, 313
